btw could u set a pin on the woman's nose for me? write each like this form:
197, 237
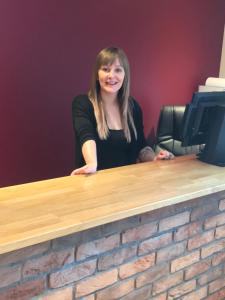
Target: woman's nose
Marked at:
111, 73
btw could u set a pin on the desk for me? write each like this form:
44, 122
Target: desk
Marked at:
38, 212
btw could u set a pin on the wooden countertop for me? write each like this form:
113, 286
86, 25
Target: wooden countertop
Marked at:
40, 211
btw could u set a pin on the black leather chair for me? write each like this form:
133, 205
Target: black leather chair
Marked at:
168, 135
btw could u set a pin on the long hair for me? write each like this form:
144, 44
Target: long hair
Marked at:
107, 56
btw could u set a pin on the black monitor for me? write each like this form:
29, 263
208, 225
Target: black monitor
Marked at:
204, 123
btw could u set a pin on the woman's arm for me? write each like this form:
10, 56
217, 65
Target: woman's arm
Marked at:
90, 157
84, 126
147, 154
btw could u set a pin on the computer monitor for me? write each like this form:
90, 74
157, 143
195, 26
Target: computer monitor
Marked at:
204, 123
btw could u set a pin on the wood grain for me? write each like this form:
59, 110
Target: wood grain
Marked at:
40, 211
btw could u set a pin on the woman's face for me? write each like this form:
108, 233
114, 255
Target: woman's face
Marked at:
111, 77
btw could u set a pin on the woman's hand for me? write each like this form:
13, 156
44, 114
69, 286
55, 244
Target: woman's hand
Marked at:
146, 154
164, 155
86, 169
90, 157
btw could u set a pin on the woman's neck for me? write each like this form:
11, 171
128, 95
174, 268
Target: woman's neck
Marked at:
112, 111
109, 99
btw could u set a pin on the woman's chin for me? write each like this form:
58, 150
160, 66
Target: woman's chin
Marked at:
109, 90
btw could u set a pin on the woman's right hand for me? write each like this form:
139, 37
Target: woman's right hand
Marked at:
90, 157
164, 155
86, 169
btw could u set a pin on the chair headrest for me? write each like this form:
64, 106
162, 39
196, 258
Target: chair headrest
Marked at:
170, 122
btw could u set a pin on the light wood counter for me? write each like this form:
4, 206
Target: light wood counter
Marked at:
40, 211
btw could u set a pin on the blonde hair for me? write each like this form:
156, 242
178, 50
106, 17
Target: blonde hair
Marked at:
106, 57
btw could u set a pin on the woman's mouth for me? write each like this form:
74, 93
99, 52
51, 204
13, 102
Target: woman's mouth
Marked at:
111, 83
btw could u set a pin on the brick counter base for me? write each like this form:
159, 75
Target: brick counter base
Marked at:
176, 252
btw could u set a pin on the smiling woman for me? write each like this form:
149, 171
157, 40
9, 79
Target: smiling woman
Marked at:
45, 57
108, 122
111, 77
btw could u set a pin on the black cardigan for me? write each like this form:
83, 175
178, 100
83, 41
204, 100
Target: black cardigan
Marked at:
115, 150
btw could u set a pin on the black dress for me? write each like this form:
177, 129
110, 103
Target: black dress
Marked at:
115, 151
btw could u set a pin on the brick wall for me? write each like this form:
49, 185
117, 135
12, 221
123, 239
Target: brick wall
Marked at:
176, 252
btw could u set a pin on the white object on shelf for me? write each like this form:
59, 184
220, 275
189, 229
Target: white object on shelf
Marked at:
213, 84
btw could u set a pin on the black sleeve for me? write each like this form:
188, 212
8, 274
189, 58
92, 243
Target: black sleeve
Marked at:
138, 121
84, 123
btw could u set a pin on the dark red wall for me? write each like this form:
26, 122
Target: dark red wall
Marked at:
47, 48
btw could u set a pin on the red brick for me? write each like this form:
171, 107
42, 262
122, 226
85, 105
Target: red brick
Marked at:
197, 269
196, 295
165, 283
116, 258
187, 231
155, 243
164, 212
212, 274
139, 233
157, 214
200, 240
153, 274
204, 211
24, 291
23, 254
216, 285
212, 248
116, 291
78, 238
115, 227
171, 251
136, 266
220, 232
95, 233
214, 221
95, 283
220, 295
222, 205
174, 221
181, 290
141, 294
9, 275
62, 294
91, 297
98, 246
69, 275
185, 261
160, 297
217, 259
48, 262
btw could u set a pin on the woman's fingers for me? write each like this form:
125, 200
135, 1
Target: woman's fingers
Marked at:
163, 154
87, 169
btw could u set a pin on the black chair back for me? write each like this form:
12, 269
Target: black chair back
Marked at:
169, 130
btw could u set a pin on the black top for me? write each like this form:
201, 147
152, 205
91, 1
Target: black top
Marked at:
115, 151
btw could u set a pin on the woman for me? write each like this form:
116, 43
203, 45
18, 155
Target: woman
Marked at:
108, 122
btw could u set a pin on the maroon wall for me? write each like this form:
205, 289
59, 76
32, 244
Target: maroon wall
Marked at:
46, 54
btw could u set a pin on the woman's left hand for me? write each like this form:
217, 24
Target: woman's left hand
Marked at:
164, 155
86, 169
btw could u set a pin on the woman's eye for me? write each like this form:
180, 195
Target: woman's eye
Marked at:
106, 69
118, 70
